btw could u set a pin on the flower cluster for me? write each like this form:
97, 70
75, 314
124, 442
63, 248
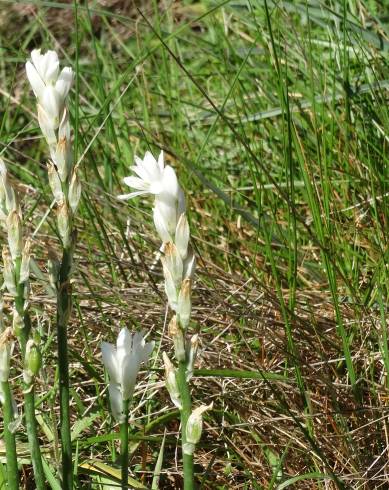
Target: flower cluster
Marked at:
123, 363
178, 262
16, 255
51, 88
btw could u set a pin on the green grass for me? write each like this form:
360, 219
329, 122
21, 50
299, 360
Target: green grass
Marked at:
275, 117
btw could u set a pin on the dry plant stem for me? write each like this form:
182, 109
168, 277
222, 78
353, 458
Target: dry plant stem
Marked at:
9, 438
187, 459
29, 392
64, 306
124, 446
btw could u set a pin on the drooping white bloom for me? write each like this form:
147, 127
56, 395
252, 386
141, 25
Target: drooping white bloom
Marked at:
123, 363
50, 88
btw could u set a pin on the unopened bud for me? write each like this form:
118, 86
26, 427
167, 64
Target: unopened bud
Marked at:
25, 263
170, 288
7, 193
184, 303
47, 126
9, 272
6, 348
194, 428
33, 361
62, 156
63, 221
14, 229
55, 182
192, 354
74, 191
189, 265
171, 381
173, 262
182, 236
53, 267
17, 322
177, 336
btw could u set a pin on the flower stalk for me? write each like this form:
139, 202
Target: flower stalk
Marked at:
16, 260
6, 399
9, 437
51, 88
178, 264
124, 445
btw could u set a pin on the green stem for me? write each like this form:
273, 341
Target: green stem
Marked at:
9, 438
124, 446
64, 306
187, 459
29, 392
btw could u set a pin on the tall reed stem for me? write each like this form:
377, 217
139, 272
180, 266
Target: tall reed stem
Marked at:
124, 445
64, 306
187, 459
9, 438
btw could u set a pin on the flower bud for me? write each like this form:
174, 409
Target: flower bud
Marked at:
55, 182
74, 191
170, 287
62, 155
171, 381
25, 263
173, 262
192, 354
33, 361
7, 193
9, 272
63, 221
14, 229
17, 322
194, 427
182, 236
189, 265
47, 126
177, 336
53, 267
6, 348
184, 304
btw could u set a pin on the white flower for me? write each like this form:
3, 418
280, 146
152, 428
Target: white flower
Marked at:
123, 363
50, 87
42, 70
152, 177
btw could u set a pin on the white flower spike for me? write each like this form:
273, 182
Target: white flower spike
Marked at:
50, 88
123, 363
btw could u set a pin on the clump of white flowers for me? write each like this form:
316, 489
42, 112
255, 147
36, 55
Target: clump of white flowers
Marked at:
178, 263
51, 88
123, 363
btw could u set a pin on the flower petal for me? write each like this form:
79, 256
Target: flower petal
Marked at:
116, 400
136, 183
123, 347
35, 80
108, 352
170, 182
161, 163
64, 82
124, 197
161, 225
130, 369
